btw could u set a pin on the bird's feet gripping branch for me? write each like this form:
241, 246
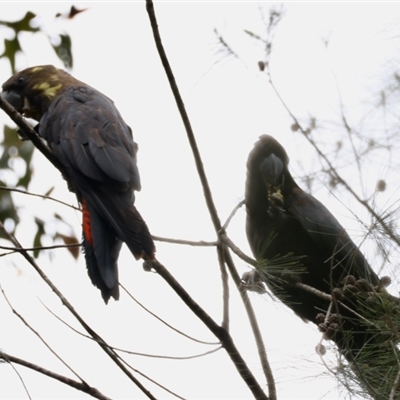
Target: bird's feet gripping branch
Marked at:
87, 134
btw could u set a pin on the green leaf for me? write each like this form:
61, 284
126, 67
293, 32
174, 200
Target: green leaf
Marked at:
63, 50
7, 207
11, 48
23, 24
10, 137
26, 152
13, 147
37, 241
10, 140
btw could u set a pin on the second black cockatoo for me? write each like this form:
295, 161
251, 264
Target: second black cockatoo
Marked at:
88, 135
298, 241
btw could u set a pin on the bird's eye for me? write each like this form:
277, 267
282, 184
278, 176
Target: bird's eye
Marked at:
21, 80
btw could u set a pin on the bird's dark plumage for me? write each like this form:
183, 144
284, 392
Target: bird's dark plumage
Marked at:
283, 221
88, 135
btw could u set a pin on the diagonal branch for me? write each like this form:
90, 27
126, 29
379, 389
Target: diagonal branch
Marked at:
5, 188
166, 323
185, 118
82, 386
71, 309
31, 134
254, 326
15, 312
221, 333
236, 358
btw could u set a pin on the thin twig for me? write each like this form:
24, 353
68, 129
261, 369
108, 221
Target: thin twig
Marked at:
224, 237
254, 386
82, 386
153, 381
5, 188
135, 353
313, 291
255, 328
184, 116
177, 358
19, 250
200, 243
66, 303
232, 214
225, 288
219, 332
348, 129
15, 312
225, 45
19, 376
164, 322
329, 298
386, 228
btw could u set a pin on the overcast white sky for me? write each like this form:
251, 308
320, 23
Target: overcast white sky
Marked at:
230, 104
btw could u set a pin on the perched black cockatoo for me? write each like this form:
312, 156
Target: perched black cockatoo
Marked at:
298, 241
88, 135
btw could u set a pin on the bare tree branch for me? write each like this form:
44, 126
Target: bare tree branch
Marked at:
225, 288
164, 322
15, 312
232, 214
138, 353
39, 195
224, 336
82, 386
20, 378
200, 243
253, 385
18, 249
66, 303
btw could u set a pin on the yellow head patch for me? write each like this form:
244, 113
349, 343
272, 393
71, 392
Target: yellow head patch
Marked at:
47, 89
37, 69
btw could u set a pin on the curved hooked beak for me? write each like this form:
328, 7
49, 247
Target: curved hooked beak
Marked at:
272, 169
15, 99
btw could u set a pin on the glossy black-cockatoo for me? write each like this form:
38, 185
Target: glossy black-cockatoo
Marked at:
298, 241
88, 135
